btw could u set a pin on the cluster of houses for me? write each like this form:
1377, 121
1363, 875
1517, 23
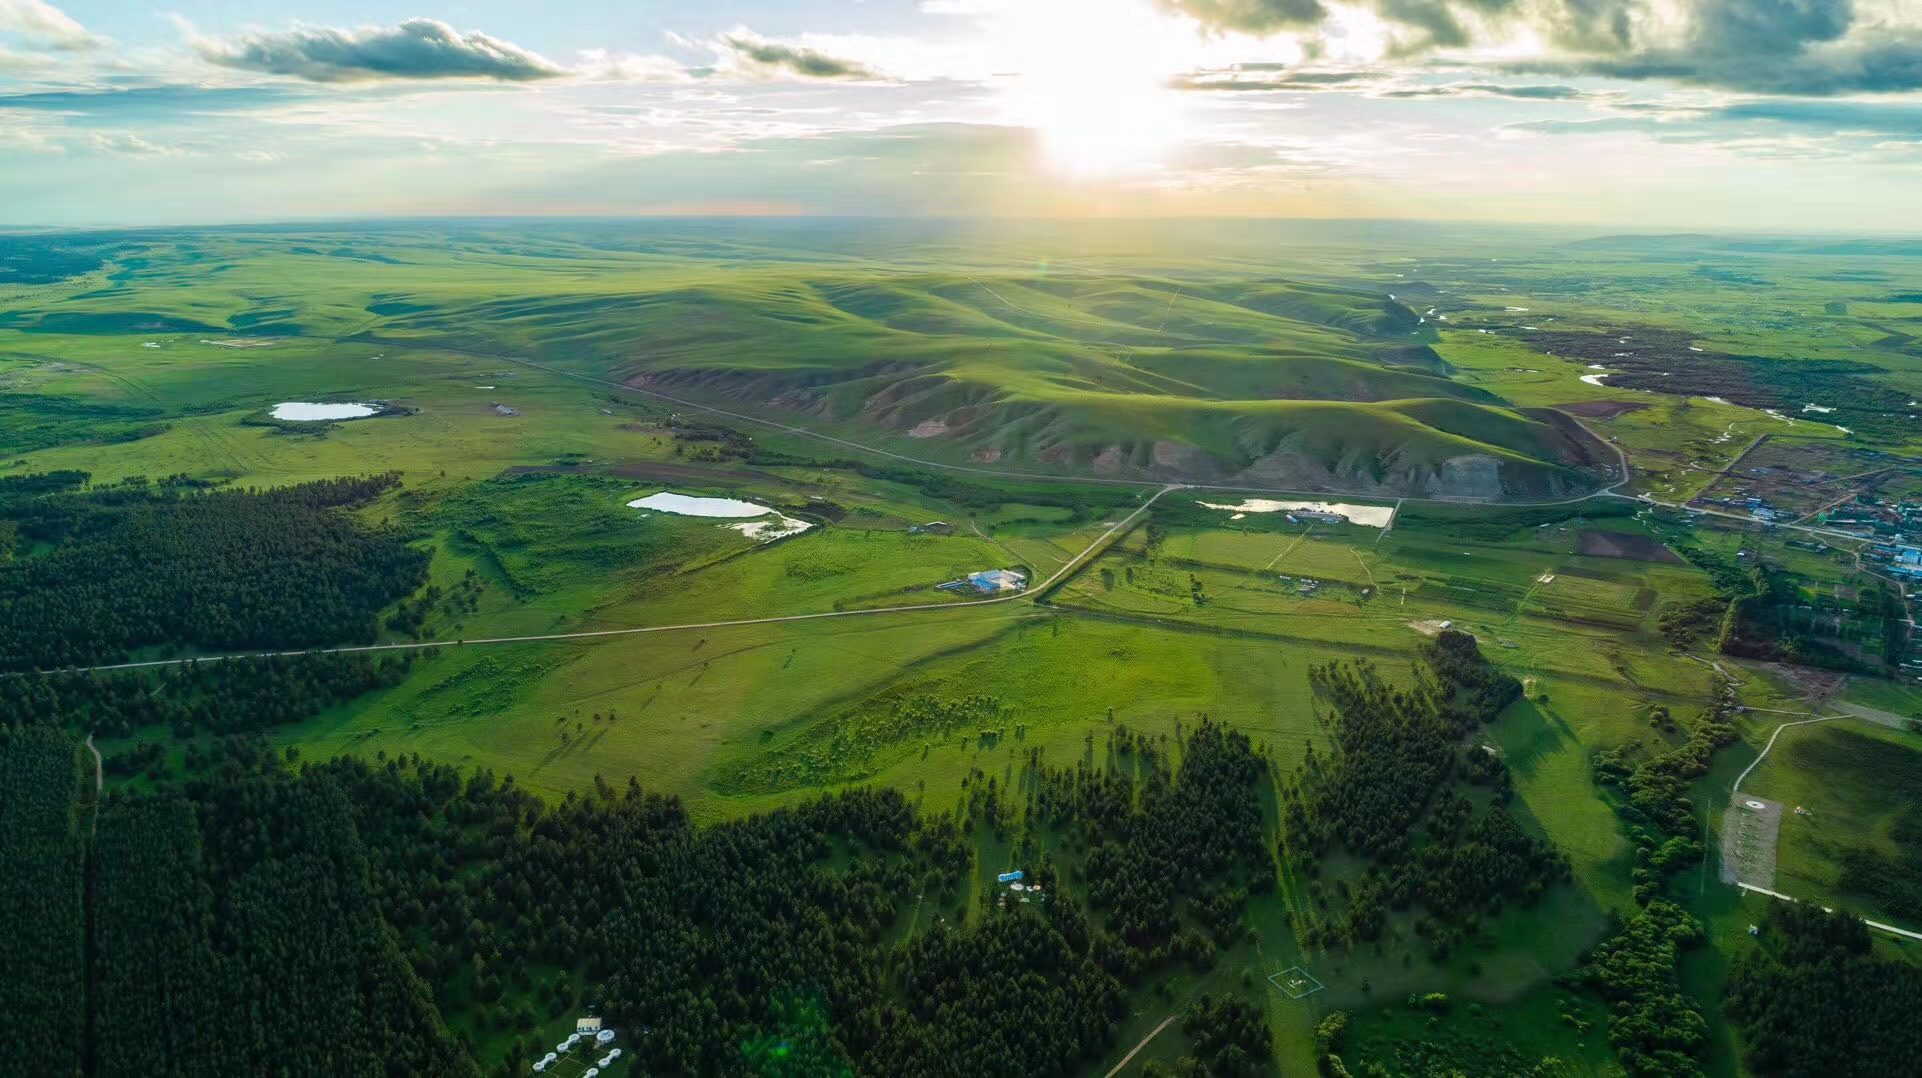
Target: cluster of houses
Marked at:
1873, 516
1741, 501
1905, 560
588, 1038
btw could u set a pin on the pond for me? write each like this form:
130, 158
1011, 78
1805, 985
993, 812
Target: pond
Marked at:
307, 411
751, 516
1368, 516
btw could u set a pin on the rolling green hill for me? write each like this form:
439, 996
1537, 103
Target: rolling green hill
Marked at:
1266, 382
1202, 376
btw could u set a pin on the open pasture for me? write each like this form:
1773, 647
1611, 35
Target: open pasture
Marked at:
1851, 831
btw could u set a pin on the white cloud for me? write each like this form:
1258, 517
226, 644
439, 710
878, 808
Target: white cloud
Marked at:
601, 65
44, 24
128, 144
16, 61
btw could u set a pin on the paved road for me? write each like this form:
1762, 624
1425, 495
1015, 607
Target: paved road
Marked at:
1891, 929
1074, 564
1874, 714
1737, 788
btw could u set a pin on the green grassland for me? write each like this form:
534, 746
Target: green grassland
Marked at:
1264, 378
1271, 370
1860, 783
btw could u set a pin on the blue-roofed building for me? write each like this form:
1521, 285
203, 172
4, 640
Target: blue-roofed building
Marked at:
998, 580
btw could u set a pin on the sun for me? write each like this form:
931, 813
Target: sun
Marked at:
1092, 78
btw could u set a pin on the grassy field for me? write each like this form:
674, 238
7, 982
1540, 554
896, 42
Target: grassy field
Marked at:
501, 359
1860, 785
1299, 382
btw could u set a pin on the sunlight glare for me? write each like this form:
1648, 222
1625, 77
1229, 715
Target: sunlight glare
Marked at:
1091, 78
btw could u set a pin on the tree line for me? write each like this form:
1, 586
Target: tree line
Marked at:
1814, 999
42, 872
94, 575
1655, 1028
396, 916
1657, 1031
1387, 792
197, 697
1158, 839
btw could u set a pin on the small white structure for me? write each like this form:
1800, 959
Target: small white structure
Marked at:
604, 1036
589, 1024
994, 580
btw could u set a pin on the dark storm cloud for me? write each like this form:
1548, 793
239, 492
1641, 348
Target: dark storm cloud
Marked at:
415, 49
759, 56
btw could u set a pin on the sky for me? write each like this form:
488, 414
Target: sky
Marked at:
1772, 115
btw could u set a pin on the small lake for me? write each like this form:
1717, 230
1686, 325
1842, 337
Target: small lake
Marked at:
307, 412
748, 513
1368, 516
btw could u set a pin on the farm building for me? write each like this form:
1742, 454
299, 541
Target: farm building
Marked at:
998, 580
